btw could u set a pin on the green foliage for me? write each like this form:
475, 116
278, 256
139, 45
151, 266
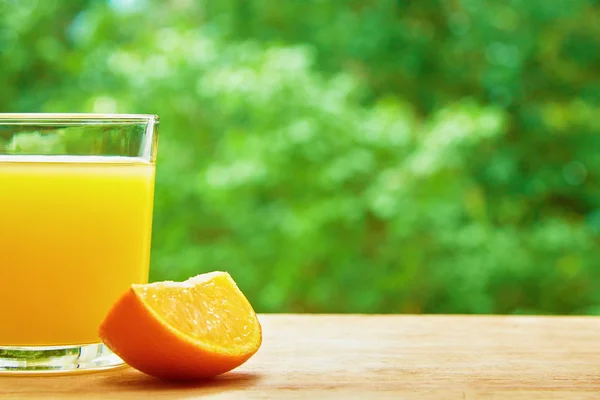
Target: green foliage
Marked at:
356, 156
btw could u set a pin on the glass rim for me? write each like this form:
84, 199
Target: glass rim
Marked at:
92, 122
85, 118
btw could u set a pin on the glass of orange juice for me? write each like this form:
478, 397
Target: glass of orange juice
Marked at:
76, 199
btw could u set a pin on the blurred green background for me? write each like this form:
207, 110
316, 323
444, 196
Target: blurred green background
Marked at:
378, 156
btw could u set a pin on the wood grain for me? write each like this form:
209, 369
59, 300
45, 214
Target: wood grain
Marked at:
377, 357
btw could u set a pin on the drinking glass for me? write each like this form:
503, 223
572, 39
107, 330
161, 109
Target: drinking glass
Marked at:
76, 200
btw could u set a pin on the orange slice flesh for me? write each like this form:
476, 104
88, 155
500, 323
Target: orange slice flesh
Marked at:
195, 329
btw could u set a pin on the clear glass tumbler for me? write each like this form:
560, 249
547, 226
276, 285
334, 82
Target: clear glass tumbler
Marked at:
76, 200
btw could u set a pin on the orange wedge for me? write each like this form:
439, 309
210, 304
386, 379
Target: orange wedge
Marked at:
195, 329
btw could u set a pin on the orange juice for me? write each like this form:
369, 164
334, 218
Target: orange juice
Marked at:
74, 234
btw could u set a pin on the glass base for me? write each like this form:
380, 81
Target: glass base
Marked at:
57, 359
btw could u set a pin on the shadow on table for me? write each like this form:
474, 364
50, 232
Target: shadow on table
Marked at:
133, 380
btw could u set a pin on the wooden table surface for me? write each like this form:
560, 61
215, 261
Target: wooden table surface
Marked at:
372, 357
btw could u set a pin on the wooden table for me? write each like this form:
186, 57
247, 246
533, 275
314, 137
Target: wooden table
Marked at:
377, 357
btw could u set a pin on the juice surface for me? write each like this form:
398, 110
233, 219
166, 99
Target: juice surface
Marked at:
74, 234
